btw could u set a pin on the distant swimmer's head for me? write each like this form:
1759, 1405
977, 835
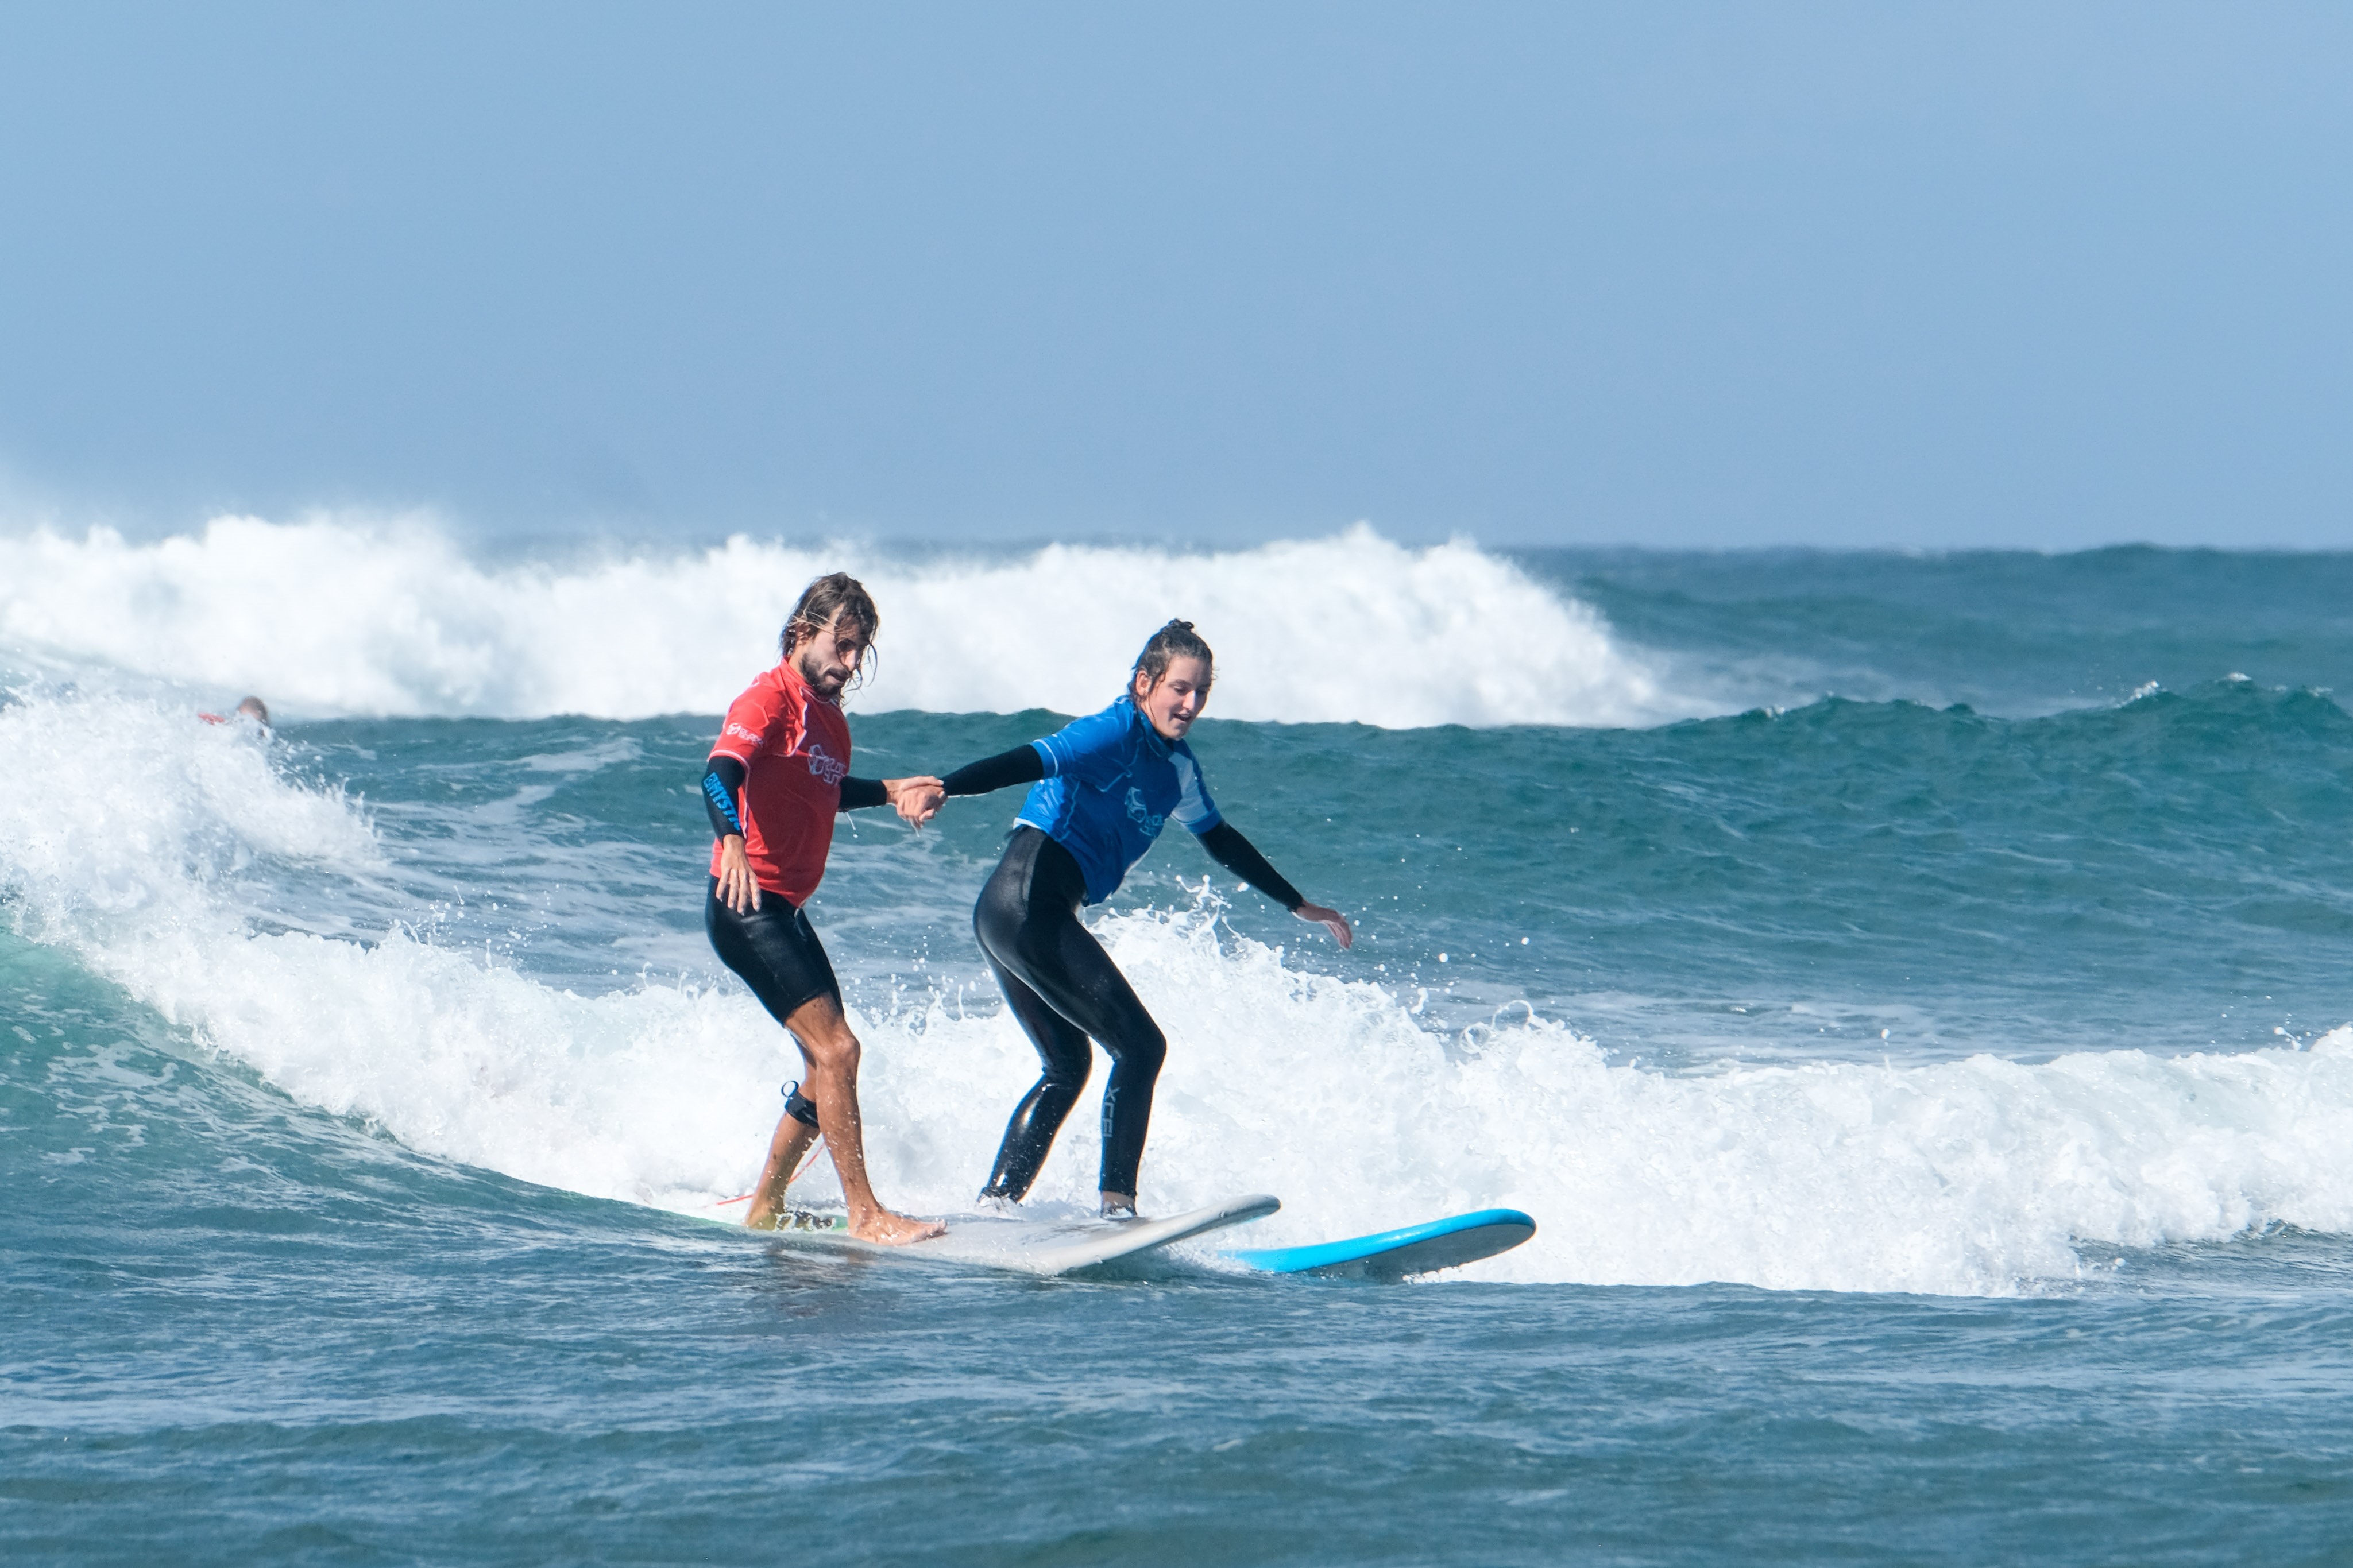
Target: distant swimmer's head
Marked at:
831, 633
1170, 684
255, 709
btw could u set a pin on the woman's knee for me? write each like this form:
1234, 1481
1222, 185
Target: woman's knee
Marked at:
1067, 1068
1141, 1050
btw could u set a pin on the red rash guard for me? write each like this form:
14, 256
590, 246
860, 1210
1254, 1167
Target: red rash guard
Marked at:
795, 748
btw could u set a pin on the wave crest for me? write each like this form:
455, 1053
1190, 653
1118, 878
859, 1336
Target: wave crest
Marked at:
331, 617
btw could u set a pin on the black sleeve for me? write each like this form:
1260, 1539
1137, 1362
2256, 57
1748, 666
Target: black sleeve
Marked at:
723, 787
857, 795
1022, 765
1226, 844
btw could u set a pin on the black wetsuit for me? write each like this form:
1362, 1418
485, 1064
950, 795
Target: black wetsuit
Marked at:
1064, 988
774, 948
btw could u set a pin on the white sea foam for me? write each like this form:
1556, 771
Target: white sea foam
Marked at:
332, 616
1968, 1177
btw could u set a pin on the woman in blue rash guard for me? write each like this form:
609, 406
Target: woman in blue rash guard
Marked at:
1101, 789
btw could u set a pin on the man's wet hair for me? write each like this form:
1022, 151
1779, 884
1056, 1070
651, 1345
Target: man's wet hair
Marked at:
254, 708
834, 592
1178, 639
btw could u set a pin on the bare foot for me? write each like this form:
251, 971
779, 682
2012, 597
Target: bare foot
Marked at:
885, 1228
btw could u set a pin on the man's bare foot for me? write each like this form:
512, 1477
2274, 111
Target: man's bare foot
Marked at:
885, 1228
759, 1218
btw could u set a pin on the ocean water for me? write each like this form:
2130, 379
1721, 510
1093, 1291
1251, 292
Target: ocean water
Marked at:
1909, 992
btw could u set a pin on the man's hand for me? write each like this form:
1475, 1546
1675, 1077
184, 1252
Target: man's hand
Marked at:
918, 800
1332, 920
737, 890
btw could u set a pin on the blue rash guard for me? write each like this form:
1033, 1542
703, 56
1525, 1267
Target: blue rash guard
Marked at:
1110, 782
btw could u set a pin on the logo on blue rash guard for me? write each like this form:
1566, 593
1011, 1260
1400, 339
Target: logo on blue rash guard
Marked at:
1142, 814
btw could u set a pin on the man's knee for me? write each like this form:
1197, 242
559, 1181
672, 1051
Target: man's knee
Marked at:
824, 1037
835, 1052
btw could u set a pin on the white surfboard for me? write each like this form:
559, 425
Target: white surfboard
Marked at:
1033, 1245
1106, 1240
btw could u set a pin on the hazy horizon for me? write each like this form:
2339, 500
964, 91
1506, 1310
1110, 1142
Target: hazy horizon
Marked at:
1836, 277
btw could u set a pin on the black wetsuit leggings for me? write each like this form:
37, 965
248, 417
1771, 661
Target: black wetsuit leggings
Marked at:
775, 949
1063, 987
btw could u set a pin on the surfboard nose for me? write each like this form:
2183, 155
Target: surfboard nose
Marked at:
1393, 1255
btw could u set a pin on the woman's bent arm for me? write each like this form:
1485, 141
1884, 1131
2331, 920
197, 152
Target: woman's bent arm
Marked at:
1237, 854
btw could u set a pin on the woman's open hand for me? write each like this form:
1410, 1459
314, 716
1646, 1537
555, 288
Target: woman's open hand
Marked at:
1332, 920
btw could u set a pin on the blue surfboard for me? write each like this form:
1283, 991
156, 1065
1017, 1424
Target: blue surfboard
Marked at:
1397, 1254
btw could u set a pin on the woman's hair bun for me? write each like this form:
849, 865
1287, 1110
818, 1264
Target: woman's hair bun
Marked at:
1175, 640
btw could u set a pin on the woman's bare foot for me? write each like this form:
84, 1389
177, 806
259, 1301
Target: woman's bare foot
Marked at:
885, 1228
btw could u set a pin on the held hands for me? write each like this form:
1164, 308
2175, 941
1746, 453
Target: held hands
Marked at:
1332, 920
918, 800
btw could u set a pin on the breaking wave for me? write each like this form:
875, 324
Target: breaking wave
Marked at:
1977, 1177
331, 617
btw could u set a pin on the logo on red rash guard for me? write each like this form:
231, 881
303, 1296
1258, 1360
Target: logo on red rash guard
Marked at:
751, 738
823, 766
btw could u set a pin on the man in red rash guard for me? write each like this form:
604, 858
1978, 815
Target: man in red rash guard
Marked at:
776, 776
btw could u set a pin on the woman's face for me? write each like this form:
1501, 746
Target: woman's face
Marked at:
1172, 703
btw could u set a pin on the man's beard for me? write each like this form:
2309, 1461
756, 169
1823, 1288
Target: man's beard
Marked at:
817, 682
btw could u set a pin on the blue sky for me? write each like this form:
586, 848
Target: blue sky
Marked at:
1845, 275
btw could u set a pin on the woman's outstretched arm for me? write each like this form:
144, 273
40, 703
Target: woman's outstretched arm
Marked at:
1022, 765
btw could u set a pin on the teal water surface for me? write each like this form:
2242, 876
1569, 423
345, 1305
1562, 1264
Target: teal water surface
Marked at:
1921, 1070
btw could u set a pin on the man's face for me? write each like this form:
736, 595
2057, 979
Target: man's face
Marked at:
827, 660
1177, 699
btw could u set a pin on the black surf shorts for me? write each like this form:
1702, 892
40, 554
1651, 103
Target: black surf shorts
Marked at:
775, 949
